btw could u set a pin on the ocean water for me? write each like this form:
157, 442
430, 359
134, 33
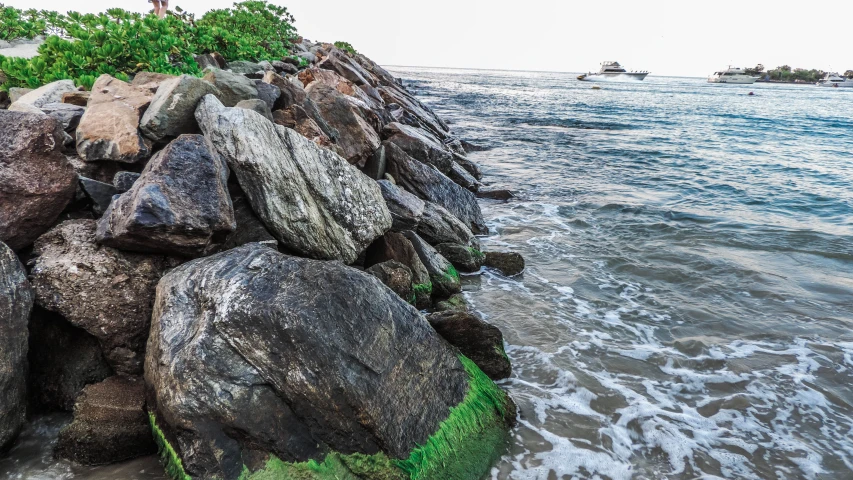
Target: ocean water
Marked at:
687, 310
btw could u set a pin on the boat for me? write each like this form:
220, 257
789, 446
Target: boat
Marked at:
612, 70
733, 75
835, 80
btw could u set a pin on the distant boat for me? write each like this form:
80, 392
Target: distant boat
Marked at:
612, 70
732, 75
834, 80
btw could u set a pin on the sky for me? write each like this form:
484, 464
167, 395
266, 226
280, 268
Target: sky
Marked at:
686, 38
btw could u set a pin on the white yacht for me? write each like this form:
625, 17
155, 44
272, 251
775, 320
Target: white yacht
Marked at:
612, 70
835, 80
732, 75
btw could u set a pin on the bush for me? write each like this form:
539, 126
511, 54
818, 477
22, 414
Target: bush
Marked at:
121, 43
346, 47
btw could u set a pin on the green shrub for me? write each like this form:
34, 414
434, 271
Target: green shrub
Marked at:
345, 46
121, 43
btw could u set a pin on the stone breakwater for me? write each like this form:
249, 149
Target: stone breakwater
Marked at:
254, 273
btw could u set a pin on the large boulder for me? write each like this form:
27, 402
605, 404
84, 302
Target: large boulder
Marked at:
508, 263
480, 341
309, 198
406, 209
430, 184
464, 258
393, 94
282, 359
63, 359
172, 110
66, 114
99, 194
340, 63
443, 275
36, 181
232, 87
102, 290
420, 145
110, 424
16, 302
50, 93
109, 130
168, 210
354, 134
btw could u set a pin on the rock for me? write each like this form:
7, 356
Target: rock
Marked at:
259, 362
472, 168
470, 147
344, 66
244, 68
495, 194
437, 225
268, 93
16, 302
109, 128
406, 209
15, 93
291, 60
290, 92
445, 279
309, 198
151, 81
375, 165
509, 263
123, 181
63, 359
81, 99
169, 211
395, 276
25, 108
110, 424
308, 56
481, 342
456, 303
419, 145
464, 258
395, 247
104, 291
256, 105
429, 184
103, 171
172, 110
50, 93
353, 133
66, 114
232, 87
99, 193
249, 227
213, 60
297, 118
428, 119
285, 67
4, 96
36, 181
462, 178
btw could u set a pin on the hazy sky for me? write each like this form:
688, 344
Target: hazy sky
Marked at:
686, 37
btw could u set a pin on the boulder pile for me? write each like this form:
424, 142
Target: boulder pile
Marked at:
236, 270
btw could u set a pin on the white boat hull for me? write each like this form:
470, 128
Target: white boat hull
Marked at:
847, 84
592, 77
733, 81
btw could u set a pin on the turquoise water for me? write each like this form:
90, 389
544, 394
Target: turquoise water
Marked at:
688, 303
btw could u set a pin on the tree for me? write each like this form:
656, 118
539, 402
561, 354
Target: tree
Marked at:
755, 71
848, 74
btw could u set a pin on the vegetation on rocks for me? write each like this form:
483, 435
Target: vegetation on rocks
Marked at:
347, 47
122, 43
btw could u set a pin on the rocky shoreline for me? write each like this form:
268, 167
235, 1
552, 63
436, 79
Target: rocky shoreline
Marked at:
254, 273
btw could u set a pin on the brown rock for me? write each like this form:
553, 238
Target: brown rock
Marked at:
296, 118
395, 276
509, 263
36, 181
81, 99
110, 424
394, 246
150, 80
480, 341
355, 135
102, 290
109, 130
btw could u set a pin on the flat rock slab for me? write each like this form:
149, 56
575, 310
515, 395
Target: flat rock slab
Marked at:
311, 199
109, 130
102, 290
110, 424
16, 302
179, 205
36, 181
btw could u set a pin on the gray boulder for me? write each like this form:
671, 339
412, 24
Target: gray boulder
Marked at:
352, 132
429, 184
16, 302
437, 225
100, 194
244, 68
445, 279
50, 93
406, 209
420, 145
464, 258
309, 198
273, 358
104, 291
172, 110
508, 263
429, 120
36, 181
395, 276
63, 359
169, 211
110, 424
256, 105
213, 60
123, 181
15, 93
268, 93
66, 114
480, 341
232, 87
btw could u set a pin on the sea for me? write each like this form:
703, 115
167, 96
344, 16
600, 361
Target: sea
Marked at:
687, 307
